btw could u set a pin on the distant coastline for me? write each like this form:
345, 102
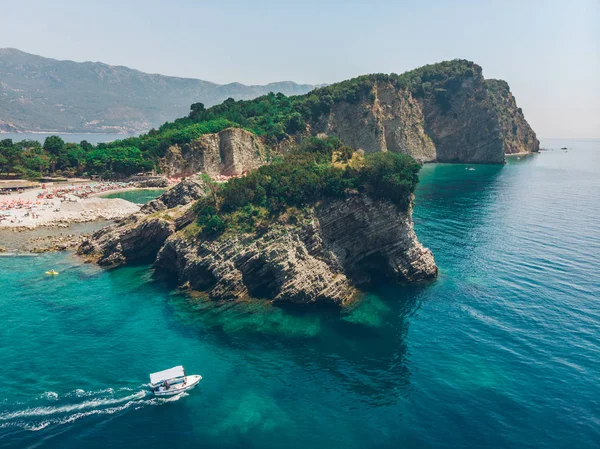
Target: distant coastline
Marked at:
40, 136
68, 132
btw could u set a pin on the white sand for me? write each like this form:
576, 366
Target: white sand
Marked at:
51, 212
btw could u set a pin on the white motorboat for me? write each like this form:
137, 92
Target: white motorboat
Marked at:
173, 381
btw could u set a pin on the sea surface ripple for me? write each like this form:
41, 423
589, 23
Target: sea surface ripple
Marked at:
501, 351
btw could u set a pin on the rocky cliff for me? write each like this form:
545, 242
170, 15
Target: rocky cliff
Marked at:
138, 237
447, 112
323, 255
233, 151
444, 112
517, 136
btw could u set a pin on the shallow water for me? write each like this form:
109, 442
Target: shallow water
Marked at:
501, 351
18, 240
137, 196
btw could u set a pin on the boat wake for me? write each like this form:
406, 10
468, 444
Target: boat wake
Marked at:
54, 409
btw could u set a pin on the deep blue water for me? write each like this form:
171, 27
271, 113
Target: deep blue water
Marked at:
502, 351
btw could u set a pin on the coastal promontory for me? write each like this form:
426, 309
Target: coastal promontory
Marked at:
308, 199
443, 112
315, 227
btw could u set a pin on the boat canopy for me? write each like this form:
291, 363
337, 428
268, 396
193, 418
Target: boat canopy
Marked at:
171, 373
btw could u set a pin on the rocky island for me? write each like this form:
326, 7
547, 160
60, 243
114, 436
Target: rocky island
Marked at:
320, 200
445, 112
319, 230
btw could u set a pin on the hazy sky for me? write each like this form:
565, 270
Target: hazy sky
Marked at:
548, 51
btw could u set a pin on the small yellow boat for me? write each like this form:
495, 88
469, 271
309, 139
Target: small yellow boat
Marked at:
52, 272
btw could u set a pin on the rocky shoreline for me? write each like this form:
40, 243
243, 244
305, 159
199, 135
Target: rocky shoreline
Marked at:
52, 243
44, 239
324, 253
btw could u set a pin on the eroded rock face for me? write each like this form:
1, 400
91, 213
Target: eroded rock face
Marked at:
139, 237
474, 121
233, 151
372, 241
136, 239
517, 135
390, 120
321, 254
334, 249
153, 183
180, 194
284, 264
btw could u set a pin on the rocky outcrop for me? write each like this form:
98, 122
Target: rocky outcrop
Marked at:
136, 239
155, 182
372, 241
139, 237
180, 194
464, 119
320, 255
233, 151
281, 265
517, 135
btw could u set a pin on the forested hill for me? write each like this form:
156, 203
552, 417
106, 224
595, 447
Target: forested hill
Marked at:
445, 112
42, 94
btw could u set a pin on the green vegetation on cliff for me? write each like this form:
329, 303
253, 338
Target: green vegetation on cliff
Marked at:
30, 159
277, 116
274, 117
317, 170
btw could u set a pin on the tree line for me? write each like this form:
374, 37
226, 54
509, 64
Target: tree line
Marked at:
274, 117
317, 169
31, 159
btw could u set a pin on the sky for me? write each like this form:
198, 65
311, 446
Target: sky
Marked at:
548, 51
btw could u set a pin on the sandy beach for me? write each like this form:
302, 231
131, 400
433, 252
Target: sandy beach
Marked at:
62, 205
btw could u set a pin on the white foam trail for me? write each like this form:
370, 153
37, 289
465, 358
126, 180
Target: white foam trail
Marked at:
83, 393
74, 412
50, 395
37, 426
46, 411
79, 393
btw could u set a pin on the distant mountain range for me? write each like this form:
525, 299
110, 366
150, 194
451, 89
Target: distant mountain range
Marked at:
43, 94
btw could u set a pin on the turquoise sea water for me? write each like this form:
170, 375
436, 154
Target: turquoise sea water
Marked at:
137, 196
502, 351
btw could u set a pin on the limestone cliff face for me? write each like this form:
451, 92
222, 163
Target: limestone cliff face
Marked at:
517, 135
468, 120
323, 256
371, 240
387, 120
233, 151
